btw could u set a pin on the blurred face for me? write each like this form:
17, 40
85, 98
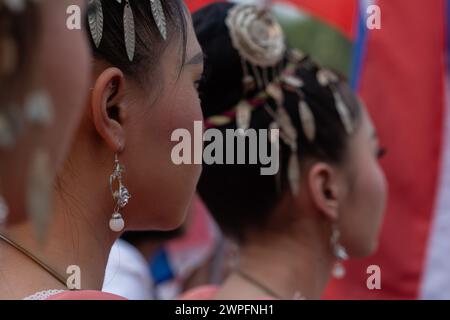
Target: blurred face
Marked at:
161, 190
62, 68
65, 73
361, 211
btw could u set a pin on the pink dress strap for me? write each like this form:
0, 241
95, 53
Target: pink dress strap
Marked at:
85, 295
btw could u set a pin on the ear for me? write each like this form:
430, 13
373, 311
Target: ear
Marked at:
108, 109
324, 185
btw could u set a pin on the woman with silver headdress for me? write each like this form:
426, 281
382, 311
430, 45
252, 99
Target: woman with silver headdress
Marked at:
325, 204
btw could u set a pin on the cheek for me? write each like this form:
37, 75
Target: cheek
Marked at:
159, 178
376, 188
184, 108
369, 199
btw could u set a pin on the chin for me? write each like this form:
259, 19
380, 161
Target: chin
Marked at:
369, 249
166, 221
363, 248
172, 224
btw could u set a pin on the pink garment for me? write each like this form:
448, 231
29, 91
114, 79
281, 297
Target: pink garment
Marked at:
208, 292
197, 245
85, 295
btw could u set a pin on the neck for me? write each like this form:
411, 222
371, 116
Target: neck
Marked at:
290, 265
79, 235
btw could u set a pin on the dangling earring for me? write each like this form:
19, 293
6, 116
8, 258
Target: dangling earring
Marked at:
339, 252
120, 196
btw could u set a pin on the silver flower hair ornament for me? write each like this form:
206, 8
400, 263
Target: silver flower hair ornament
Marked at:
256, 35
95, 18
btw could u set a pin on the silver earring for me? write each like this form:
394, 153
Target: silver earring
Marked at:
120, 196
339, 253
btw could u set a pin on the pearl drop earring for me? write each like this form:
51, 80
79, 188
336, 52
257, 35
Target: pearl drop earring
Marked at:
339, 252
120, 195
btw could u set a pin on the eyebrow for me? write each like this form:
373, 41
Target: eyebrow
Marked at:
197, 59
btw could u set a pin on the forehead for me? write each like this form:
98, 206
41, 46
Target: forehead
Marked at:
193, 46
366, 121
176, 49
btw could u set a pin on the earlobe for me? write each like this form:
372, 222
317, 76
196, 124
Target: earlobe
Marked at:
108, 110
323, 184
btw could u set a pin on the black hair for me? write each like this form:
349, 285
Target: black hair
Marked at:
238, 196
150, 45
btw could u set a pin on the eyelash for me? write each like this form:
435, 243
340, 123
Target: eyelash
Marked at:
381, 153
197, 84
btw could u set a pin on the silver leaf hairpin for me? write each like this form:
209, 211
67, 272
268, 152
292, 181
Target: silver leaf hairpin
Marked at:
129, 31
274, 129
307, 120
243, 115
275, 92
327, 78
159, 16
289, 135
292, 81
344, 113
95, 18
294, 173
